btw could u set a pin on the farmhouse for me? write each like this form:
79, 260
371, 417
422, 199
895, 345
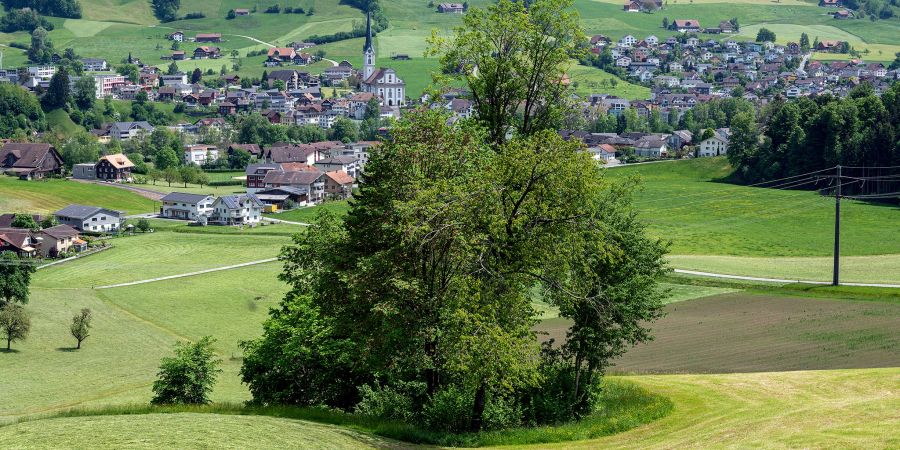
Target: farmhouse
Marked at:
207, 52
60, 239
686, 25
180, 205
280, 195
242, 12
115, 167
177, 36
30, 161
208, 37
90, 218
455, 8
236, 210
829, 46
716, 145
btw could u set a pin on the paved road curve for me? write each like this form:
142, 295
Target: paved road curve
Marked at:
779, 280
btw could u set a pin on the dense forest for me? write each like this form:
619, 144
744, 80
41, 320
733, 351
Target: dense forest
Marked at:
809, 134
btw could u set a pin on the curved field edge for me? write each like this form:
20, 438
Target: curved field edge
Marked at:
853, 408
623, 406
854, 269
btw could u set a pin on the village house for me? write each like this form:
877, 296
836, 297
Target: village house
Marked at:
338, 184
289, 153
347, 164
603, 152
20, 241
177, 36
256, 174
200, 154
128, 130
184, 206
90, 219
309, 182
242, 209
454, 8
30, 161
716, 145
116, 167
242, 12
60, 239
253, 149
652, 146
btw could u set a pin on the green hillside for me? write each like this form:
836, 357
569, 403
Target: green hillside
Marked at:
50, 195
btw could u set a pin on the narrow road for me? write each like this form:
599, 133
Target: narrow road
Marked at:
190, 274
223, 34
780, 280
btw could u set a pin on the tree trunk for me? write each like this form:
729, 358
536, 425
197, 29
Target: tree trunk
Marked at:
78, 347
8, 343
478, 408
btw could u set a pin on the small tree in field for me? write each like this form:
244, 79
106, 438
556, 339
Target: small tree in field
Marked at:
143, 225
189, 376
81, 326
14, 323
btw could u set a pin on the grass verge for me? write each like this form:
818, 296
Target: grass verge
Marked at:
623, 406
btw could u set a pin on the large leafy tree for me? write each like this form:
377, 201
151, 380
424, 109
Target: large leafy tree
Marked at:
514, 57
427, 286
15, 277
14, 323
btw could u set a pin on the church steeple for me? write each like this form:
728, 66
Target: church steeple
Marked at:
368, 44
368, 50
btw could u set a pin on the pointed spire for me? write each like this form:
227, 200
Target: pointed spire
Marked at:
368, 31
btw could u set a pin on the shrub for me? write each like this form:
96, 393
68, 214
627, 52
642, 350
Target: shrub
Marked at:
194, 15
189, 376
387, 402
448, 410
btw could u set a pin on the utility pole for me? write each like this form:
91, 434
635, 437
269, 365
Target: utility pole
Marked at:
837, 229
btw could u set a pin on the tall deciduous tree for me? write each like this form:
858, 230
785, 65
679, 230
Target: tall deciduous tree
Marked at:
514, 58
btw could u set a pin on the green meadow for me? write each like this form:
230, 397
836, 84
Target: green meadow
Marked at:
46, 196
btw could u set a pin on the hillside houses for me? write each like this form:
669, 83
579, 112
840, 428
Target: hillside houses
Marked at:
30, 161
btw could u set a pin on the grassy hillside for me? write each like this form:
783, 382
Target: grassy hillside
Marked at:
185, 430
683, 201
50, 195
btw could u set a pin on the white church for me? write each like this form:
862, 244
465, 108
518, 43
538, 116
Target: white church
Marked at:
382, 82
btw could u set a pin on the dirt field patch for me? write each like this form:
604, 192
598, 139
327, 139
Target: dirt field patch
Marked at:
743, 332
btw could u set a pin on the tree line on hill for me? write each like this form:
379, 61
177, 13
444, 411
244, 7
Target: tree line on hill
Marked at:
789, 138
418, 306
23, 20
57, 8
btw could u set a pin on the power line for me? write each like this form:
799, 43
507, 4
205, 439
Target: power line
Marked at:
734, 188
